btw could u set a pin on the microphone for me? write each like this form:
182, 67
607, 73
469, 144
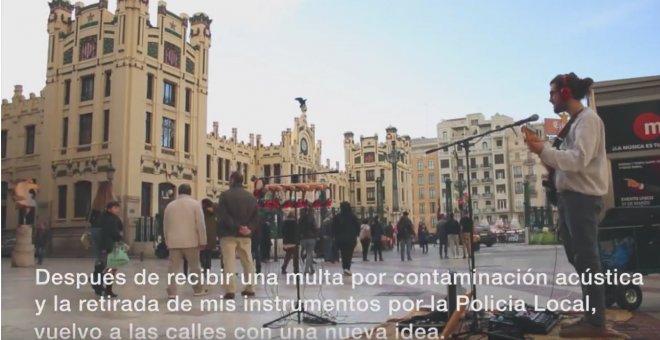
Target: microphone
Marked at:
531, 118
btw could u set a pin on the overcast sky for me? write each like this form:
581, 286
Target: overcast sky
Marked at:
365, 65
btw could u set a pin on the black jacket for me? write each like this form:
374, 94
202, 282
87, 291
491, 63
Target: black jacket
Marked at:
377, 231
236, 207
289, 227
441, 230
405, 228
466, 224
345, 225
111, 227
452, 227
308, 227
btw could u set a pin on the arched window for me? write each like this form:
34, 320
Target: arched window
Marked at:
82, 198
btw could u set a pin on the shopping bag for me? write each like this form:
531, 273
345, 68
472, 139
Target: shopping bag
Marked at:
118, 257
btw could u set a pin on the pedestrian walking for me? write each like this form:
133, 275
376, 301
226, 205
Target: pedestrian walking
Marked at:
41, 238
365, 238
423, 237
289, 238
308, 234
103, 196
377, 236
328, 240
185, 235
111, 233
346, 227
405, 235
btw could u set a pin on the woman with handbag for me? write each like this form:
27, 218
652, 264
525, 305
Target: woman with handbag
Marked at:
110, 242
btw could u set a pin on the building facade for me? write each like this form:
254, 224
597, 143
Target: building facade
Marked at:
126, 101
379, 174
500, 165
426, 182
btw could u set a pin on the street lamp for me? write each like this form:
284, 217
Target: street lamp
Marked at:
351, 182
379, 197
527, 203
110, 172
448, 205
393, 158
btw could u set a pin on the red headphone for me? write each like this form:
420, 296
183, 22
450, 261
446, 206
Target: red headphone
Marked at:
565, 92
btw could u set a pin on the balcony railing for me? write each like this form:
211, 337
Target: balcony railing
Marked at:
487, 180
487, 195
529, 161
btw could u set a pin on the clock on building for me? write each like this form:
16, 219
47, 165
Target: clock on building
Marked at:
303, 146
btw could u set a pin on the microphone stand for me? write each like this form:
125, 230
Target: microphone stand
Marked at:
465, 144
296, 265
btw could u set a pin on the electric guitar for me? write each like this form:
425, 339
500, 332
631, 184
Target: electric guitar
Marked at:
549, 184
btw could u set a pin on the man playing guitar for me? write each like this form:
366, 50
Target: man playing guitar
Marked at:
581, 178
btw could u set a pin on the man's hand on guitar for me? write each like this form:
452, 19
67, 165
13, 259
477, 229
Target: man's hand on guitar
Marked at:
534, 143
535, 146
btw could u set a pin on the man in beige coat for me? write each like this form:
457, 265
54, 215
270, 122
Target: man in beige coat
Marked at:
185, 236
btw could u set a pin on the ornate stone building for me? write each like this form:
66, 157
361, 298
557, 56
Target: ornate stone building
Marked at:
374, 165
126, 101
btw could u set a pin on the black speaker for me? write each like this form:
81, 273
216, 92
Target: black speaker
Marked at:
631, 216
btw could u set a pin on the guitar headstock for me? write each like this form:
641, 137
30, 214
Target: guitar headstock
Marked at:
529, 134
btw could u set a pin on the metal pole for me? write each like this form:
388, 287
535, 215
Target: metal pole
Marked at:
466, 146
394, 159
528, 210
448, 196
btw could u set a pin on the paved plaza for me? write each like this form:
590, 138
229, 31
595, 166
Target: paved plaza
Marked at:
19, 292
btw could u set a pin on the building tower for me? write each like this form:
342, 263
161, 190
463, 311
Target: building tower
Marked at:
130, 98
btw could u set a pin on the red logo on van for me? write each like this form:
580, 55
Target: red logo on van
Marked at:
647, 126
